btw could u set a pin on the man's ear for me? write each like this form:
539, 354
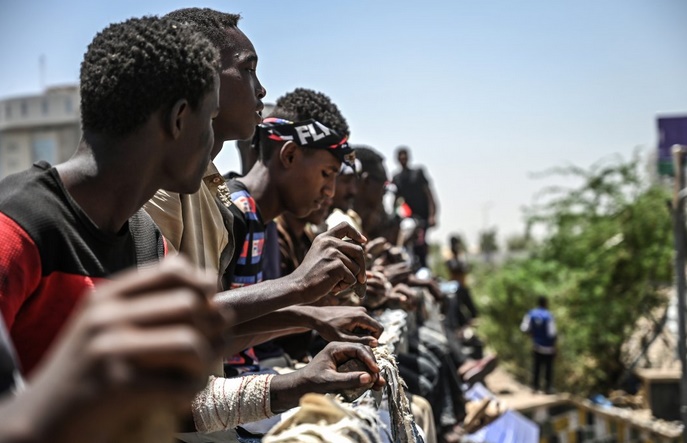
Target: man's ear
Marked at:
288, 153
177, 117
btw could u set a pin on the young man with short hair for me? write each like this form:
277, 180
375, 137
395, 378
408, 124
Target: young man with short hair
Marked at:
65, 228
301, 145
195, 225
202, 230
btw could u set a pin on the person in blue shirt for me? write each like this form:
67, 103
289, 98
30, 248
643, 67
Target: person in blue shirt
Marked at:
541, 326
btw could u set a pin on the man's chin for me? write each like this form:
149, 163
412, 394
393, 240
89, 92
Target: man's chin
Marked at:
248, 133
306, 212
187, 187
181, 189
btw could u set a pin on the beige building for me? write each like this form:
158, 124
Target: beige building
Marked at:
39, 127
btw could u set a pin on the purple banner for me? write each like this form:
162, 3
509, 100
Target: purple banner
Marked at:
671, 131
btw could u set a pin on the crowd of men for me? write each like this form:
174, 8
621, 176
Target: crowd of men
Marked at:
297, 252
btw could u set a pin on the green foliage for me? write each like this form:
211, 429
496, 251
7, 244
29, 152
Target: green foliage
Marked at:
516, 243
607, 254
437, 262
488, 244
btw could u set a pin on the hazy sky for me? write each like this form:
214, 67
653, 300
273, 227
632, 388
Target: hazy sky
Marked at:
483, 92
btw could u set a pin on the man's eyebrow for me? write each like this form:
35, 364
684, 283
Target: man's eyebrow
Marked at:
247, 57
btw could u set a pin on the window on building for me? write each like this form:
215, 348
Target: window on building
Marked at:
24, 108
68, 105
44, 148
44, 106
8, 111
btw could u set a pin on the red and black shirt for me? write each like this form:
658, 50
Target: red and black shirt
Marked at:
51, 253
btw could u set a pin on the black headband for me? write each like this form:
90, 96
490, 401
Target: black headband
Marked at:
308, 134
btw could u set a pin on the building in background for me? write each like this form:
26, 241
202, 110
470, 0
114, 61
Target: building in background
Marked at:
39, 127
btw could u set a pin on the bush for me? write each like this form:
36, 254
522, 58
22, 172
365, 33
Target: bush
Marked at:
606, 258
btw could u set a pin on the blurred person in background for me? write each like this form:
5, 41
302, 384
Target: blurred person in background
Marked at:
413, 187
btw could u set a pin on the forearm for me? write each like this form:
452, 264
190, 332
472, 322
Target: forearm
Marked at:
16, 423
44, 411
299, 317
228, 402
257, 300
418, 282
239, 343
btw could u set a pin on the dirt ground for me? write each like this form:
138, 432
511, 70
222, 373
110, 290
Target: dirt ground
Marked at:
515, 395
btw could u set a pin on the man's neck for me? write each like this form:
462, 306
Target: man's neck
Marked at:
263, 191
366, 213
295, 225
109, 188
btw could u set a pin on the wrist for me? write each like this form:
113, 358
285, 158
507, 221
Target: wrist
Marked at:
305, 317
313, 315
28, 420
298, 287
285, 392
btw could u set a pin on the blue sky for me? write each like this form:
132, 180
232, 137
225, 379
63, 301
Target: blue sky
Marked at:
483, 92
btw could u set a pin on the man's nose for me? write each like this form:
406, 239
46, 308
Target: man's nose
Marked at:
329, 189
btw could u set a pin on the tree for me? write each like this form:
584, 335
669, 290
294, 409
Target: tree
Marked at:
487, 244
517, 243
605, 259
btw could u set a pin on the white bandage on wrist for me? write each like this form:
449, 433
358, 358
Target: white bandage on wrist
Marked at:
228, 402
